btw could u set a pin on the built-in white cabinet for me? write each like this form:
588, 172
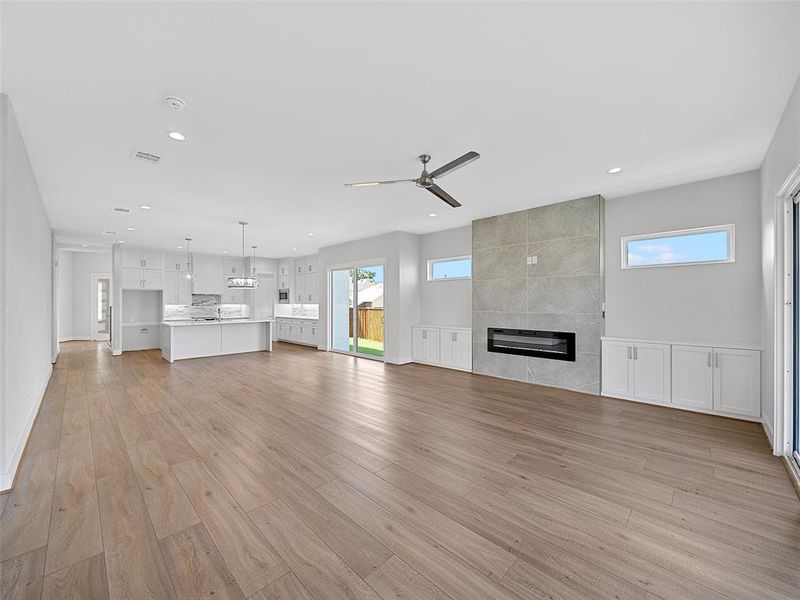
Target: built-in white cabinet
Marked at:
704, 378
636, 370
142, 259
306, 264
176, 262
305, 289
455, 348
209, 274
284, 282
425, 344
233, 266
142, 279
285, 266
298, 331
177, 288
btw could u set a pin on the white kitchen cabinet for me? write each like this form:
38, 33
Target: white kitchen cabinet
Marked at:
209, 277
306, 264
177, 289
285, 266
617, 359
143, 279
693, 376
232, 296
425, 344
233, 266
284, 283
142, 259
306, 289
737, 381
299, 291
455, 348
298, 331
176, 263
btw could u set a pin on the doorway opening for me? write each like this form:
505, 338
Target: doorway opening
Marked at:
357, 310
101, 301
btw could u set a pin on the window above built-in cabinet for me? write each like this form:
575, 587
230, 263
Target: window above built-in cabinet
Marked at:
702, 245
456, 267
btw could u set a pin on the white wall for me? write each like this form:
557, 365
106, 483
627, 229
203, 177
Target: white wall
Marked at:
717, 302
447, 303
64, 295
26, 292
400, 253
83, 265
782, 156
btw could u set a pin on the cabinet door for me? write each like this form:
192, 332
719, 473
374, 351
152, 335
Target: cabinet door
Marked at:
617, 369
310, 291
737, 381
284, 267
152, 280
170, 295
184, 288
313, 333
417, 345
431, 336
283, 282
172, 262
131, 278
310, 264
131, 259
299, 292
651, 374
692, 376
208, 274
448, 339
233, 266
462, 350
153, 260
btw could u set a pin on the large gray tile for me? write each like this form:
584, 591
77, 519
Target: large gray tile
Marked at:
582, 375
568, 256
499, 263
588, 329
510, 295
501, 230
565, 295
507, 366
575, 218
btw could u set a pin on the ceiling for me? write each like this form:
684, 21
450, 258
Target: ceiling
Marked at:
287, 102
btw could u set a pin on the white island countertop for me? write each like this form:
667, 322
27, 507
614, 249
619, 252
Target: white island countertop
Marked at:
186, 322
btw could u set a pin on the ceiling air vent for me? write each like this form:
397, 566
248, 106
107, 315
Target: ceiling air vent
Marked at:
146, 156
119, 209
109, 232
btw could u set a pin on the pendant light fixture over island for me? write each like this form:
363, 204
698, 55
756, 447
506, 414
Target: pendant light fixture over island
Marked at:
240, 282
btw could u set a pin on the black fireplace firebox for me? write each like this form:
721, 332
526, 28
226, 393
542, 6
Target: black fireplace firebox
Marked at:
557, 345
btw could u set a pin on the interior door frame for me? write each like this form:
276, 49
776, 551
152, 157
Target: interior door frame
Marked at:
94, 277
354, 265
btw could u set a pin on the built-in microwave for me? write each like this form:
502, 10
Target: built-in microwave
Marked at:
283, 296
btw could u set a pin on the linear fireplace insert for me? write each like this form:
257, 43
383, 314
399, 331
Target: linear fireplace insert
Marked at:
557, 345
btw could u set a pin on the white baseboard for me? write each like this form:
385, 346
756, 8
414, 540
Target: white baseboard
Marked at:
7, 478
77, 338
770, 433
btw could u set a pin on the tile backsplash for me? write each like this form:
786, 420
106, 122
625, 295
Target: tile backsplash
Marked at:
206, 299
182, 312
297, 310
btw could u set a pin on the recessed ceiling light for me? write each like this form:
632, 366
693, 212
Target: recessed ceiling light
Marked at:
266, 256
614, 170
109, 232
310, 233
120, 241
130, 229
84, 245
180, 247
145, 207
177, 136
431, 214
293, 249
224, 251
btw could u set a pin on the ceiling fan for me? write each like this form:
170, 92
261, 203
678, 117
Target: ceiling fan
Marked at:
427, 180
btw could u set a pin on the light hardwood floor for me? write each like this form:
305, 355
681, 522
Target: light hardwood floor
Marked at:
300, 474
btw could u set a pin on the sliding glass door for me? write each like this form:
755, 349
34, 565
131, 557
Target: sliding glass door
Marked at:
357, 318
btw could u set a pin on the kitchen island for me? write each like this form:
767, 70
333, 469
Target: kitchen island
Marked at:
195, 339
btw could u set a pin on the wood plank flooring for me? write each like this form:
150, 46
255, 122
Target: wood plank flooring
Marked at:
305, 475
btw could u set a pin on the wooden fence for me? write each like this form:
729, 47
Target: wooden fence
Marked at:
370, 323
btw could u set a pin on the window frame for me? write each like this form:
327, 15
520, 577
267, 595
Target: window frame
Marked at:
731, 255
433, 261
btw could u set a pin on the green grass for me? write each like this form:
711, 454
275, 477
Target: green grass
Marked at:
371, 347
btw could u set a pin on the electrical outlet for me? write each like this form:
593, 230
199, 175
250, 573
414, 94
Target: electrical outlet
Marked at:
133, 318
532, 260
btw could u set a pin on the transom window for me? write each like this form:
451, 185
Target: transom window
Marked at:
456, 267
683, 247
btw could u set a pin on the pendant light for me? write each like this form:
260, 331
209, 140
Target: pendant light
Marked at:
189, 265
253, 263
242, 283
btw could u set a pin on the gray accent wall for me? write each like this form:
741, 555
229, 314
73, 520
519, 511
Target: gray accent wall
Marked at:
564, 291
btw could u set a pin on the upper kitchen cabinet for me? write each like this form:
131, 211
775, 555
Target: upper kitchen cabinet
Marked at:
306, 264
177, 288
142, 279
142, 259
233, 266
285, 266
209, 274
176, 263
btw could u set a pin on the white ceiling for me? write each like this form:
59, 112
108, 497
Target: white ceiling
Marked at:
286, 102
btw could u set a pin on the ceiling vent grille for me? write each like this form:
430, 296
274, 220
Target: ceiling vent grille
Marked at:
146, 156
109, 232
122, 210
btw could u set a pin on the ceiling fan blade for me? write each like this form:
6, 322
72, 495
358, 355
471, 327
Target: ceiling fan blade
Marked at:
373, 183
440, 193
461, 161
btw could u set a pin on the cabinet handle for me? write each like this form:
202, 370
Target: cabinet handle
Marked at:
424, 334
635, 353
716, 360
708, 359
630, 353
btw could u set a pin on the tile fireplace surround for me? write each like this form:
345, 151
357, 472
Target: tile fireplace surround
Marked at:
564, 291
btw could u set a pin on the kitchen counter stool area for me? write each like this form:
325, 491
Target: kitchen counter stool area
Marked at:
195, 339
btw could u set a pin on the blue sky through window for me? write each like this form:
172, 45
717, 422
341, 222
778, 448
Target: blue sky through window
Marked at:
450, 269
708, 246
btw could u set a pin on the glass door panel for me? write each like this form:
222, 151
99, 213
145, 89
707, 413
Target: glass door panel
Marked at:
342, 309
369, 314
